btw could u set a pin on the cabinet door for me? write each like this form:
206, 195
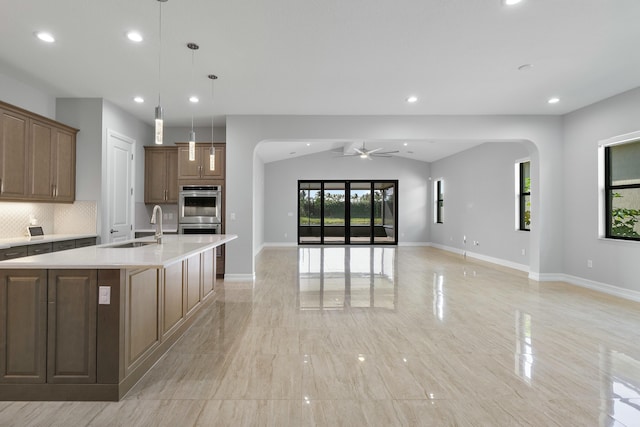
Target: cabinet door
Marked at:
188, 169
64, 166
155, 190
23, 339
13, 155
218, 171
40, 161
172, 176
71, 347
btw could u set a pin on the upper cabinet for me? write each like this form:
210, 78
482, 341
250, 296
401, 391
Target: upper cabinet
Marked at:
199, 169
160, 174
13, 154
52, 163
37, 157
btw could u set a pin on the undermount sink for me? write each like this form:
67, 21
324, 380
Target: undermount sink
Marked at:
133, 245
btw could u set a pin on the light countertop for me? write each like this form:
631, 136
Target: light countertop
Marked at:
22, 241
173, 248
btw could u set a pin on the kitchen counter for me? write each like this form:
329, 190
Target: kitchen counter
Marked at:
22, 241
88, 323
174, 248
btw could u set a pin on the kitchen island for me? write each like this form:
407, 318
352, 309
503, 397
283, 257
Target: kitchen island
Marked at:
88, 323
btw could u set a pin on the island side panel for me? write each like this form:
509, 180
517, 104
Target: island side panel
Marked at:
23, 329
72, 311
173, 298
142, 327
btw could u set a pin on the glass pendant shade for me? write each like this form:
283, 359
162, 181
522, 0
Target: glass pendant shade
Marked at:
192, 146
212, 159
158, 133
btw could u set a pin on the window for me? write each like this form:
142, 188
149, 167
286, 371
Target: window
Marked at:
439, 202
622, 190
524, 195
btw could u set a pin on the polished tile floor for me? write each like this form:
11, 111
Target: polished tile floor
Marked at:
390, 336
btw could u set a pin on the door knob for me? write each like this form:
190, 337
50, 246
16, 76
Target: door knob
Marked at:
113, 231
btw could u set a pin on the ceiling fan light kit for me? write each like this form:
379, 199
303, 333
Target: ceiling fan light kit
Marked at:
364, 153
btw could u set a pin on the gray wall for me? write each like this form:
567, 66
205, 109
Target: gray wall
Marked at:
181, 134
479, 202
281, 190
614, 262
25, 96
541, 134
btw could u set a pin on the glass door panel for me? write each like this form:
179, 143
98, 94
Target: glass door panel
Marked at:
384, 212
360, 212
334, 212
309, 212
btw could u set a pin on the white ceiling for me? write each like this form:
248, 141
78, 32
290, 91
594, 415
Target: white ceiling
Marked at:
329, 57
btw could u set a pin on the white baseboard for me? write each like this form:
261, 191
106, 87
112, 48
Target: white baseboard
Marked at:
616, 291
492, 260
414, 244
239, 277
279, 245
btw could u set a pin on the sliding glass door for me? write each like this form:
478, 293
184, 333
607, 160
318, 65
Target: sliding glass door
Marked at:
347, 212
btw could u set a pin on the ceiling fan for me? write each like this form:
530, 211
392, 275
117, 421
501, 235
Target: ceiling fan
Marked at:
364, 153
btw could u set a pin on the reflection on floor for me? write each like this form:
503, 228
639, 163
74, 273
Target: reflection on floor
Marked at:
384, 337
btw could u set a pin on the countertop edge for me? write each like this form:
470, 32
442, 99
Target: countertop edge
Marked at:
44, 261
12, 242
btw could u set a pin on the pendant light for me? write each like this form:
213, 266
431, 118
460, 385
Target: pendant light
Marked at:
212, 150
192, 134
159, 112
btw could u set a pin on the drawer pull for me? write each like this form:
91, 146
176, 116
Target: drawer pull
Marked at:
12, 254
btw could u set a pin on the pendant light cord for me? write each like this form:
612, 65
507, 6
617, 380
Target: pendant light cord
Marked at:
160, 54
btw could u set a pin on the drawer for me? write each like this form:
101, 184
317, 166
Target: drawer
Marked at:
64, 245
11, 253
42, 248
89, 241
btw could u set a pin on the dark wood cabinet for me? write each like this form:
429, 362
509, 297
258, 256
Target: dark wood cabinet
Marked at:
199, 169
23, 330
13, 154
37, 157
160, 175
71, 335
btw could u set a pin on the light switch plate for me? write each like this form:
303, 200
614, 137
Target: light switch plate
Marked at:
104, 295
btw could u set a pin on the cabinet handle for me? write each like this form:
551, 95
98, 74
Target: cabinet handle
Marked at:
165, 194
1, 186
55, 187
37, 251
11, 254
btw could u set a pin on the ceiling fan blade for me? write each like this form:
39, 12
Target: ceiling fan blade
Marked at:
359, 151
388, 152
381, 155
375, 150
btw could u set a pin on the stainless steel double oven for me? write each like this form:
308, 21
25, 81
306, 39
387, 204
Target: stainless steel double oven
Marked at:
200, 209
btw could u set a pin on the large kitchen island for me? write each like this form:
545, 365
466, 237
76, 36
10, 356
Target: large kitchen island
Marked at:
88, 323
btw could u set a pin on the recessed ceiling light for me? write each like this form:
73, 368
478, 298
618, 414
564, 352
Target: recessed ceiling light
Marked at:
308, 144
405, 144
411, 99
511, 2
45, 37
194, 99
138, 99
134, 36
553, 100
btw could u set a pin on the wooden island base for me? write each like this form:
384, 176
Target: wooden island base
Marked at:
57, 342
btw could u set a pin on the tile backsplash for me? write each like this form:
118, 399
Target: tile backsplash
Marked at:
76, 218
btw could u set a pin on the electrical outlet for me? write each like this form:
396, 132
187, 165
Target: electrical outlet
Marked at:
104, 295
589, 263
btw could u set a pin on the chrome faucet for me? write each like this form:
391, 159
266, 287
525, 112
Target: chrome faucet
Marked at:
158, 222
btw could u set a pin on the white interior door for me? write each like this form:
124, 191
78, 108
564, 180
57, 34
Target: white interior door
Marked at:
119, 186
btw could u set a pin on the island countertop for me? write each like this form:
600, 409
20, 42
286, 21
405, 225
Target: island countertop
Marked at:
173, 248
